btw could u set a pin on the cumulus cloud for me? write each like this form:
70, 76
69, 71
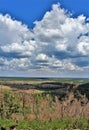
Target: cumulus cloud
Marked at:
83, 45
57, 43
14, 37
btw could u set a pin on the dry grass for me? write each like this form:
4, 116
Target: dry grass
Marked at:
4, 87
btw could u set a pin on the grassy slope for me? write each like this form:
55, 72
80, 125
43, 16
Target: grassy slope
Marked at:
64, 124
51, 125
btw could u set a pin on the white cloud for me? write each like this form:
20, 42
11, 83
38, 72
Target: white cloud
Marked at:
59, 30
58, 42
23, 49
42, 57
12, 31
61, 47
15, 37
83, 45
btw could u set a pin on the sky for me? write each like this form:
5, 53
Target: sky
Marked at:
48, 38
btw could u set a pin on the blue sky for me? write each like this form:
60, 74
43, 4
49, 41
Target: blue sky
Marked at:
28, 11
45, 38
